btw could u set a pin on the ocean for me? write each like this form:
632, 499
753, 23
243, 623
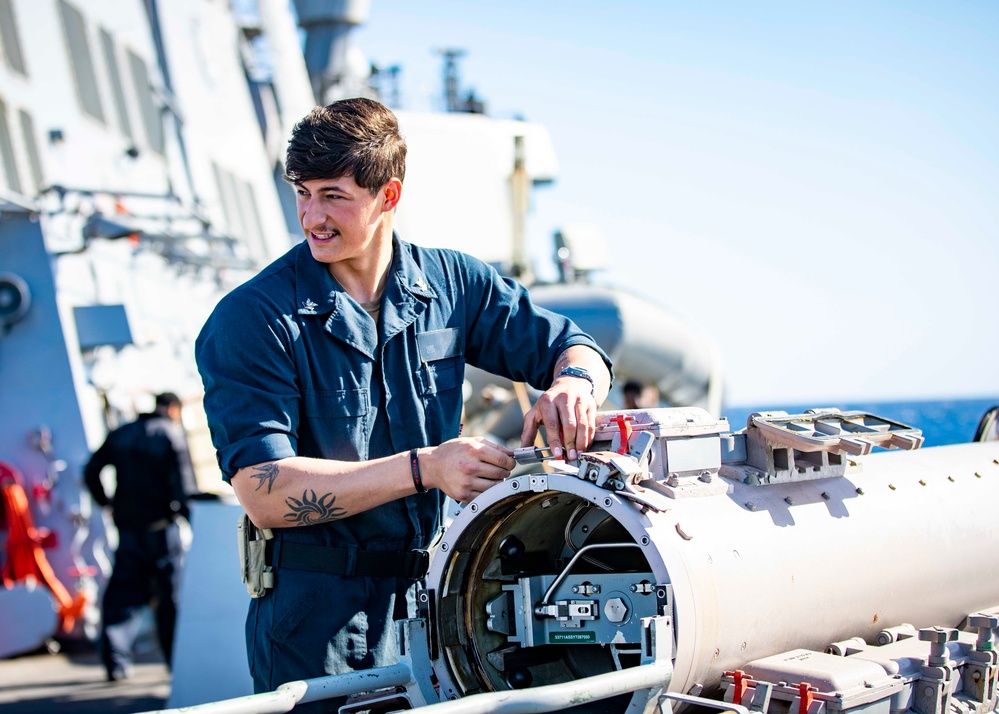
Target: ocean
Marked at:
943, 421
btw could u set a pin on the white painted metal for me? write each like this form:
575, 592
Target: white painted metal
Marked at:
554, 697
761, 570
750, 583
442, 205
411, 672
291, 77
220, 125
213, 603
210, 96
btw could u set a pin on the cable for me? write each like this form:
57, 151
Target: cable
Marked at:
567, 568
572, 546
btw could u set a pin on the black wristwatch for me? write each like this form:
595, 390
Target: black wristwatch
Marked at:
578, 372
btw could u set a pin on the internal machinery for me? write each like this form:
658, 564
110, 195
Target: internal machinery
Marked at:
548, 587
553, 576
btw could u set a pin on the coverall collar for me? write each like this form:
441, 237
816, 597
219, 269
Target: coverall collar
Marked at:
407, 293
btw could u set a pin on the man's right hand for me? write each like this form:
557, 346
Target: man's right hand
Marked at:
465, 467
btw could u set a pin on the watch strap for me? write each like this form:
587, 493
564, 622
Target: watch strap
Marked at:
581, 374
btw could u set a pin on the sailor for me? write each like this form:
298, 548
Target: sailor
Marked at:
154, 481
333, 389
638, 395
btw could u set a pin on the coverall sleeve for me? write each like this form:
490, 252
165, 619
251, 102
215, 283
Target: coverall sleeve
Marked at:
251, 393
92, 474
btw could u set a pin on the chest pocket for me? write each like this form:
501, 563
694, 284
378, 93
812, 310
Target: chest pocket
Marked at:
336, 419
442, 363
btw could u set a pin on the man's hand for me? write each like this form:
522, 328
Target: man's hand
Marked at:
568, 409
465, 467
568, 412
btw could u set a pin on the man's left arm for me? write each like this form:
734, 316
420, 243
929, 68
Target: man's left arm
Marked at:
568, 408
92, 475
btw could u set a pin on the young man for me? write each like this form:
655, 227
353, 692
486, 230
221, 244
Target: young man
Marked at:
333, 391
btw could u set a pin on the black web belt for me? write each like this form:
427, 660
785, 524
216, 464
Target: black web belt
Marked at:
410, 564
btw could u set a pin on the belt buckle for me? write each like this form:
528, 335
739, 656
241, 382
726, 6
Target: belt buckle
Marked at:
421, 564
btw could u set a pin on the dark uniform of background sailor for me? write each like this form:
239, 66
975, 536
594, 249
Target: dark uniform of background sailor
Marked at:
333, 389
154, 480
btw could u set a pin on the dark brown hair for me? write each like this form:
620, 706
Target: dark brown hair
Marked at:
167, 399
352, 137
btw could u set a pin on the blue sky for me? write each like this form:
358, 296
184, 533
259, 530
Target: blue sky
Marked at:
814, 185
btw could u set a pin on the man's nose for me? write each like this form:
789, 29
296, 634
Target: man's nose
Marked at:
312, 214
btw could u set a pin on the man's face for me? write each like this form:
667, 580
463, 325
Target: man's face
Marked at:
339, 218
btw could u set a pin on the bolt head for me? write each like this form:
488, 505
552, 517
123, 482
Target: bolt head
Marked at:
938, 634
989, 621
616, 610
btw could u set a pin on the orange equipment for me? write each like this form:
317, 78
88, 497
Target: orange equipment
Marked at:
25, 557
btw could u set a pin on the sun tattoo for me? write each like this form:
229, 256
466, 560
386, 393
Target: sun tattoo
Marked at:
312, 510
265, 474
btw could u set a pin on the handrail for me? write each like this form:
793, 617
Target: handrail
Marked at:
285, 697
556, 697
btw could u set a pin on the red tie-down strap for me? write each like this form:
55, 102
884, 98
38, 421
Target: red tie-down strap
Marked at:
804, 697
740, 683
623, 422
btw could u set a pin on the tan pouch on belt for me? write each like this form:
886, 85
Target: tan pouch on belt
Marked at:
256, 573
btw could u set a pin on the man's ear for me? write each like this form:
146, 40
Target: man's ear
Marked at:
391, 193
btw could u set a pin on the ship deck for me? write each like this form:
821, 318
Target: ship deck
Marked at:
73, 680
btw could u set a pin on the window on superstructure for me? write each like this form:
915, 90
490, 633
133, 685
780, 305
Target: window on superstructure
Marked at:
11, 41
117, 92
239, 207
152, 116
286, 195
11, 177
227, 197
75, 32
31, 145
247, 202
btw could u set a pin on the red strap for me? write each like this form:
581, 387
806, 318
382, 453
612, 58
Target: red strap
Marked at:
805, 697
623, 422
740, 683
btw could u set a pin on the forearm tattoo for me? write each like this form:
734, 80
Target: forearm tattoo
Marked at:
311, 510
265, 474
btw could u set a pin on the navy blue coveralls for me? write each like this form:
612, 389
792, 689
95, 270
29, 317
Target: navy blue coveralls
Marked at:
292, 365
